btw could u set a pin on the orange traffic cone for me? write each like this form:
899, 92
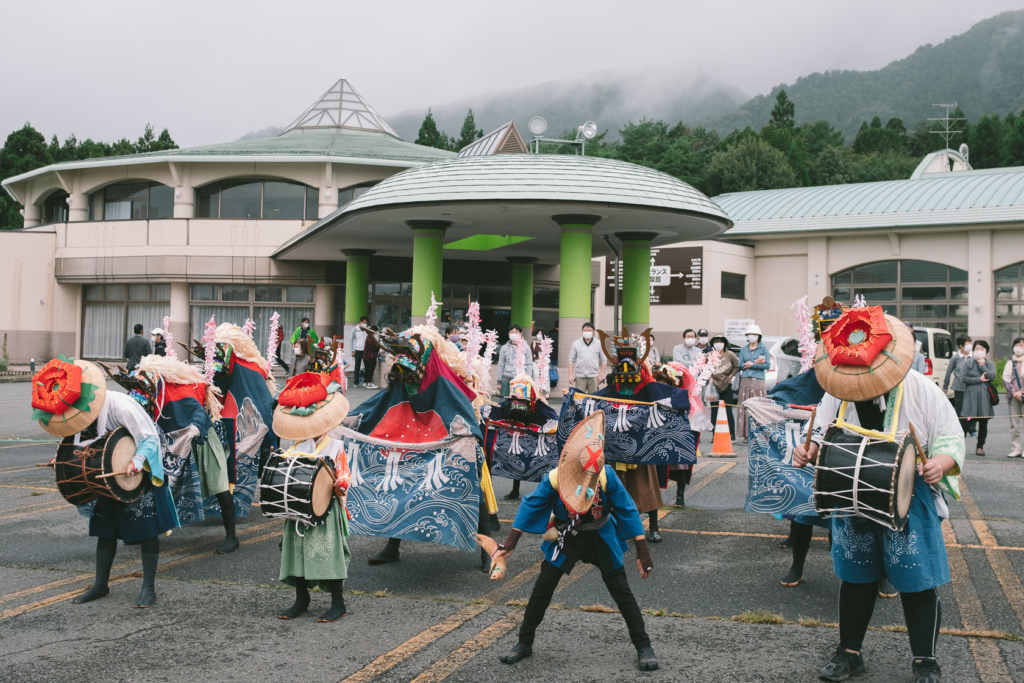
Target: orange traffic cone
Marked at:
722, 445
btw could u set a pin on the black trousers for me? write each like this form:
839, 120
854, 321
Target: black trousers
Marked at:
958, 404
369, 365
728, 396
358, 355
590, 548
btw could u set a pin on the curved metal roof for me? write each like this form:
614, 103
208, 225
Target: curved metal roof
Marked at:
995, 195
516, 195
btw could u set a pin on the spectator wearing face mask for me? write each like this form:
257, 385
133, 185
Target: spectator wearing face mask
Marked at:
702, 341
977, 373
452, 334
964, 347
754, 362
687, 353
727, 368
587, 363
358, 349
302, 331
1013, 380
507, 358
301, 349
543, 380
655, 355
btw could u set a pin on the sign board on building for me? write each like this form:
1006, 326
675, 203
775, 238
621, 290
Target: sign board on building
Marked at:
736, 328
676, 277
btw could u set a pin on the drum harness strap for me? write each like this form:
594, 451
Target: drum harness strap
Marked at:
869, 433
287, 497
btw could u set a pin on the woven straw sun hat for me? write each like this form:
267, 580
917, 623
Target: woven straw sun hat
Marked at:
307, 408
72, 402
863, 354
581, 464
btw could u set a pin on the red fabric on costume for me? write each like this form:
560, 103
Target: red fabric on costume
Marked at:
176, 392
403, 424
436, 368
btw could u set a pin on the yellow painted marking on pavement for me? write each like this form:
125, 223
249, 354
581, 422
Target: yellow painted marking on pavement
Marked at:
507, 587
987, 657
23, 445
726, 466
445, 666
30, 488
4, 517
1004, 571
85, 577
15, 470
822, 538
390, 659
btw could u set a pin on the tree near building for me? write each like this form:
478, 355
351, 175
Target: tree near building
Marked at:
469, 133
784, 112
430, 136
750, 165
24, 150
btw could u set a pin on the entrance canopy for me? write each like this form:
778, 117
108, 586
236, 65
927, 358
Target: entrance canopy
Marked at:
502, 205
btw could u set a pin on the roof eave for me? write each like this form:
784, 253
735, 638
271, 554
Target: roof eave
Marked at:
217, 158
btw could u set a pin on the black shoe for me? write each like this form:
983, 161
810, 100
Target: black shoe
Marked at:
495, 524
338, 609
680, 500
788, 543
842, 665
655, 537
99, 588
389, 554
926, 670
296, 610
645, 659
512, 496
229, 545
485, 561
518, 653
147, 596
885, 589
793, 578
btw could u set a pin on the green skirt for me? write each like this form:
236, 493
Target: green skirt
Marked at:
321, 554
213, 465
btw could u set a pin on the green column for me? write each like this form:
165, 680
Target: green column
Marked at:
357, 283
427, 257
574, 267
636, 278
522, 291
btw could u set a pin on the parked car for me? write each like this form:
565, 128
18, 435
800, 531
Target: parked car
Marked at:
785, 359
937, 347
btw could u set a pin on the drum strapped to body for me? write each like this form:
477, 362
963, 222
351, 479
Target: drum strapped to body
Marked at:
865, 475
297, 487
80, 469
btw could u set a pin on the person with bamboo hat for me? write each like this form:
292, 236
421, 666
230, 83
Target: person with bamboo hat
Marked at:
70, 399
309, 406
863, 364
593, 518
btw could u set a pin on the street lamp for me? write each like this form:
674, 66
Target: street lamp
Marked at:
538, 126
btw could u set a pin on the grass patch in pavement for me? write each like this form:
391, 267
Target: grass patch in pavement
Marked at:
603, 609
662, 612
760, 616
557, 605
809, 622
520, 602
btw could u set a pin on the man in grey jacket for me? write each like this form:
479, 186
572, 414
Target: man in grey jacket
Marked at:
965, 345
507, 358
136, 347
688, 352
587, 363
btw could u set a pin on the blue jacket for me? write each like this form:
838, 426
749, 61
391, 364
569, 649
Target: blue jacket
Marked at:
535, 511
758, 369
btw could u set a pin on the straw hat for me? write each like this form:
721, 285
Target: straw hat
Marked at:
863, 354
581, 464
67, 395
309, 408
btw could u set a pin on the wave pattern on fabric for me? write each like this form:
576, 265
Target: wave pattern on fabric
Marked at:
774, 486
426, 492
521, 454
632, 435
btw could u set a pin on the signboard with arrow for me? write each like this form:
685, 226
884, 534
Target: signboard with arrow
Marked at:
676, 276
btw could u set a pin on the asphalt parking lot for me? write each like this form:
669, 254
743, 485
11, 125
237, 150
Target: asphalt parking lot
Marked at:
715, 608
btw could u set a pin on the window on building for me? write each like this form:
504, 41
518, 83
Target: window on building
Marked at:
110, 312
257, 198
921, 293
1009, 308
137, 201
55, 208
347, 194
232, 303
734, 286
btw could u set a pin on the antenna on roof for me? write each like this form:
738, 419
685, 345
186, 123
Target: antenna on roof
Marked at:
946, 131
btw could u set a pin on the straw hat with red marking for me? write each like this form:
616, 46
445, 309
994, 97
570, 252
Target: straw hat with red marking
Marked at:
863, 354
67, 395
309, 406
581, 464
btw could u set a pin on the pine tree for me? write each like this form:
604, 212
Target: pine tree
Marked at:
784, 112
469, 133
430, 136
1013, 152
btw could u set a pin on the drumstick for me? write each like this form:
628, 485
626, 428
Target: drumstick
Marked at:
112, 474
917, 444
810, 430
45, 464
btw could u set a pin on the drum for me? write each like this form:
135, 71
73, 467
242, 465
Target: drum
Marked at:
297, 487
79, 469
864, 476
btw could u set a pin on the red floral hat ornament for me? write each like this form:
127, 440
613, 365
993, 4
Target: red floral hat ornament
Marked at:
310, 405
67, 395
863, 354
857, 336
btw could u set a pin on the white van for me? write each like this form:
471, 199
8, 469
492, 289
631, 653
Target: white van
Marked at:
937, 347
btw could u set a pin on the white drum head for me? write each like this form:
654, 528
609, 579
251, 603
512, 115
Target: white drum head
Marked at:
323, 489
908, 468
124, 451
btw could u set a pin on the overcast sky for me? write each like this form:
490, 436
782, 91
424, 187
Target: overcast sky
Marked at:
212, 71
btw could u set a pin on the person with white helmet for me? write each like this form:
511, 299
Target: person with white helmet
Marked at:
754, 361
159, 343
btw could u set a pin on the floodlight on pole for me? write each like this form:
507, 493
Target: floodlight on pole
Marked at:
589, 130
537, 125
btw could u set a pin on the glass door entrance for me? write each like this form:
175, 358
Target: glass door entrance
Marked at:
392, 305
